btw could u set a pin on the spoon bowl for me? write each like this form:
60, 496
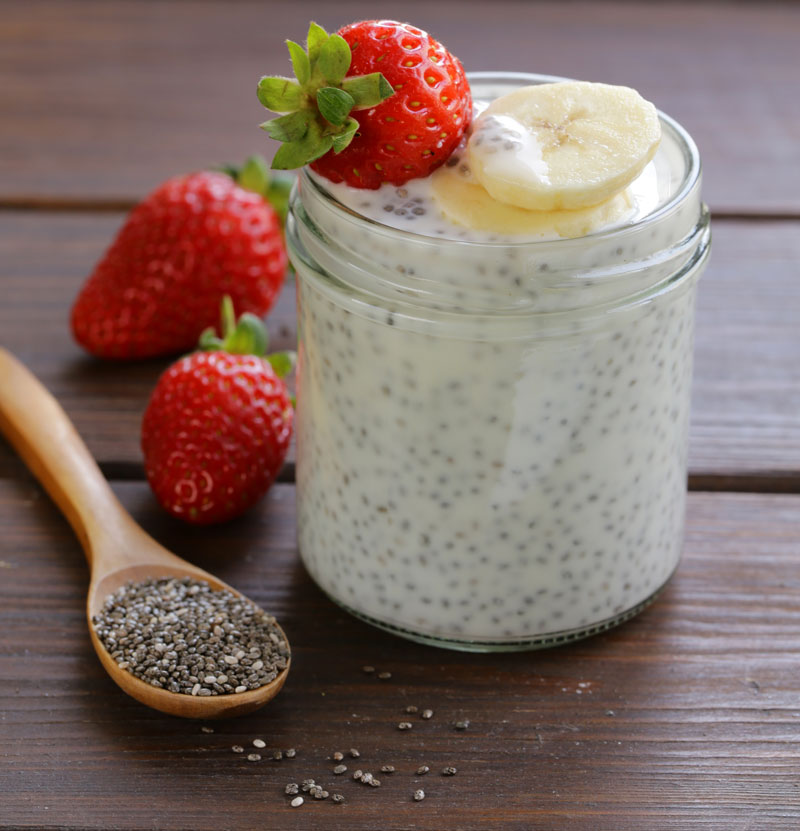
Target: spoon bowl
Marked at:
162, 563
117, 548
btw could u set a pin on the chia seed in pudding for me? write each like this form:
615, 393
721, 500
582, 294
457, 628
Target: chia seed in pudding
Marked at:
492, 431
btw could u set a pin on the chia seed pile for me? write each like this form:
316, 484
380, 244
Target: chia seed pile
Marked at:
471, 471
181, 635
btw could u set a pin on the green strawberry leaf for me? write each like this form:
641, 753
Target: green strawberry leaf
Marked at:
248, 338
290, 127
334, 104
317, 107
341, 140
300, 62
209, 342
281, 95
294, 154
254, 175
280, 188
334, 59
282, 362
316, 38
367, 90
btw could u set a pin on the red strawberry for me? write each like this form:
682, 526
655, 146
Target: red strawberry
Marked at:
193, 240
412, 97
218, 424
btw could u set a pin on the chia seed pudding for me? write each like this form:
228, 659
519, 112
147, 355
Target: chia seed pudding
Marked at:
492, 430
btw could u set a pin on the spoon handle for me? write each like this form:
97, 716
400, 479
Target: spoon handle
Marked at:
41, 432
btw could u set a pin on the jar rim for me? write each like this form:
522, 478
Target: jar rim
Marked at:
693, 171
552, 280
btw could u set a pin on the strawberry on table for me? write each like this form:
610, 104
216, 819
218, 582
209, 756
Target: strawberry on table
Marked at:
192, 241
380, 101
218, 424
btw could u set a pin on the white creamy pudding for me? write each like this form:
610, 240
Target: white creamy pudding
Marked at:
492, 428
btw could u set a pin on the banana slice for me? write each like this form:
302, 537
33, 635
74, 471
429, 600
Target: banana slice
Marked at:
466, 202
563, 146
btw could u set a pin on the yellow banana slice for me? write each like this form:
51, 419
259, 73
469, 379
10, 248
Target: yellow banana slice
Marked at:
563, 146
465, 202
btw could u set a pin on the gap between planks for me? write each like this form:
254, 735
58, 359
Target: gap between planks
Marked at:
766, 482
745, 482
134, 472
120, 204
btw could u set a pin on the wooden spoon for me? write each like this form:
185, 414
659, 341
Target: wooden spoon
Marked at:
117, 549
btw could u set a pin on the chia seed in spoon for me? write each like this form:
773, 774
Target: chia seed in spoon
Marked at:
181, 635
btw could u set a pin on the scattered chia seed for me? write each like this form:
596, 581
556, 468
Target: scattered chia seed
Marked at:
366, 778
358, 774
253, 757
426, 714
174, 633
404, 725
422, 770
411, 709
297, 802
277, 755
387, 769
340, 769
206, 729
384, 676
320, 794
419, 795
368, 669
337, 756
449, 771
374, 783
354, 754
259, 743
292, 788
461, 725
337, 798
237, 748
290, 753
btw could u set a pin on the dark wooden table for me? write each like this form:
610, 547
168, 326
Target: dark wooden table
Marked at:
687, 716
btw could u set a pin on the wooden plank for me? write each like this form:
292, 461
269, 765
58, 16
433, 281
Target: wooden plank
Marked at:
45, 259
685, 716
103, 101
746, 394
746, 420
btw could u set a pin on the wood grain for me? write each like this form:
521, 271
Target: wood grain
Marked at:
684, 717
104, 100
746, 417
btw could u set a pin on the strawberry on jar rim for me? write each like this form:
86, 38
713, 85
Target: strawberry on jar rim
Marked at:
190, 242
218, 424
378, 102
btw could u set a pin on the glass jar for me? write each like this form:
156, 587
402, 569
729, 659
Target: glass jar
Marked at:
492, 436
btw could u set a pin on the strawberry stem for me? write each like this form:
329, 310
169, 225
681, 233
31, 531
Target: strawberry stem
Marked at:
228, 317
245, 336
